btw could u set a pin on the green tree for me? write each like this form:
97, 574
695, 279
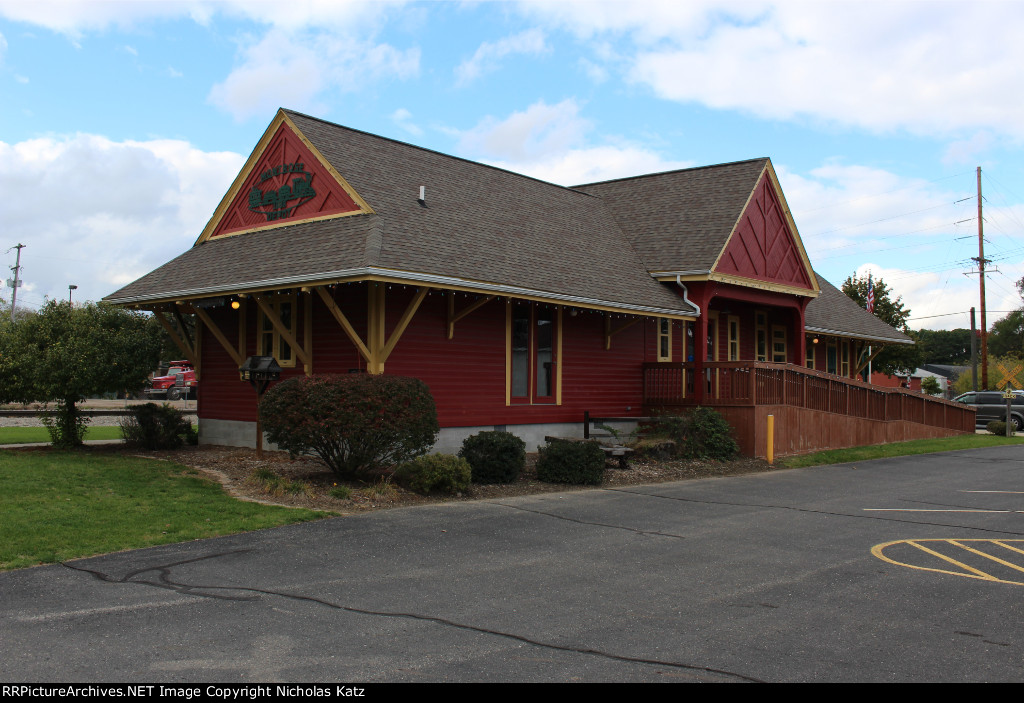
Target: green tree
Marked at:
944, 346
1006, 336
895, 358
930, 386
63, 354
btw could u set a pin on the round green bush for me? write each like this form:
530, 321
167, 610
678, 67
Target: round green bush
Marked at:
153, 426
496, 457
571, 462
996, 427
708, 436
436, 473
354, 422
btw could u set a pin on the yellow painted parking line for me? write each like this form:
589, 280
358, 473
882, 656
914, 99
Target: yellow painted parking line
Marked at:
967, 571
987, 555
1003, 544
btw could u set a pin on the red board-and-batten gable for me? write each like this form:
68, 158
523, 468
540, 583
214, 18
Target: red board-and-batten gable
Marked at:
285, 181
764, 247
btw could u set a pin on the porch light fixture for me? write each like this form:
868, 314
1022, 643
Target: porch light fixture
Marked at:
235, 305
260, 372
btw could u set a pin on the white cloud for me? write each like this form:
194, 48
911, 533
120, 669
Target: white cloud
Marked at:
286, 69
131, 50
403, 118
549, 142
912, 233
74, 17
490, 54
113, 210
21, 79
927, 68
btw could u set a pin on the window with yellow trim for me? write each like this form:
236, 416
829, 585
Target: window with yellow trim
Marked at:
533, 355
779, 351
270, 341
734, 338
845, 365
761, 336
664, 339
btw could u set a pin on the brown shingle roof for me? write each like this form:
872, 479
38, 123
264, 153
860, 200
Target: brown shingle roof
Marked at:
480, 224
680, 220
833, 312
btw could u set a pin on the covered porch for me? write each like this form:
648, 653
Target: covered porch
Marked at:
813, 410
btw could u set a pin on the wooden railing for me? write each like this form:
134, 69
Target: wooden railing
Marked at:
753, 383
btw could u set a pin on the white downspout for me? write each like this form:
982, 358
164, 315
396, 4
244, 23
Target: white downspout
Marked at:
686, 293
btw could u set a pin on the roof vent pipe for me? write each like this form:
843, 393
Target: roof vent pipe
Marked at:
686, 292
423, 194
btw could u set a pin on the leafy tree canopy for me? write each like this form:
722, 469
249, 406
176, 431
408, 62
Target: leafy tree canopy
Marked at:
944, 346
896, 358
1006, 336
65, 353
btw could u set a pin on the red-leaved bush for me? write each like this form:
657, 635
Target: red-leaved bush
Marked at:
355, 423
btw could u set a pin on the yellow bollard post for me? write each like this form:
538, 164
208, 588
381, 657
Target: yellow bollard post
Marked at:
771, 439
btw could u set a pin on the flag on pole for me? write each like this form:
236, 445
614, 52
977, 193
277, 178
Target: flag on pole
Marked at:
871, 296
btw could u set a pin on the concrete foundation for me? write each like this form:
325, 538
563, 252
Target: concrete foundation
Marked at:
233, 433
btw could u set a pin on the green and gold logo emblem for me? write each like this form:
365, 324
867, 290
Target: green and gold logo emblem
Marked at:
279, 203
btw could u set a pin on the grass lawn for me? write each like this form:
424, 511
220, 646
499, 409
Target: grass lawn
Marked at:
917, 446
24, 435
63, 505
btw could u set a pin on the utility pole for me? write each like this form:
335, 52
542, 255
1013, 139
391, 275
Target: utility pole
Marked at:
974, 354
981, 280
16, 283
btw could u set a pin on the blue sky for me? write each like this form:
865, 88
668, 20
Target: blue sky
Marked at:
123, 123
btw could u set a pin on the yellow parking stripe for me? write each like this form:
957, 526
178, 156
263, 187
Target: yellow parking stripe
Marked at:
1003, 544
968, 571
981, 574
987, 556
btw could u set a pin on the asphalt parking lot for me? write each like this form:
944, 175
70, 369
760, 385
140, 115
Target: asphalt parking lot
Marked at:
907, 569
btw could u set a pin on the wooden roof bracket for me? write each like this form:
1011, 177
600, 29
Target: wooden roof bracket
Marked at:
609, 332
403, 322
340, 318
871, 357
186, 347
473, 307
219, 336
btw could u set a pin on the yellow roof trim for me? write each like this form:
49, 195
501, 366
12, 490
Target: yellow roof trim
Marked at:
790, 222
280, 118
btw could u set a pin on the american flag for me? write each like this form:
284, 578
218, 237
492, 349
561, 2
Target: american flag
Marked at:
871, 296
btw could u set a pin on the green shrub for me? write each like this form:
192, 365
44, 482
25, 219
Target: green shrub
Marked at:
668, 426
355, 423
436, 473
571, 462
708, 436
153, 426
997, 427
495, 457
341, 492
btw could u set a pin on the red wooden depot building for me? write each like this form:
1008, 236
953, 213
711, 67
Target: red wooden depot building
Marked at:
523, 304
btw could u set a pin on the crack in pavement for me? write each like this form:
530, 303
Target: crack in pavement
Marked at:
810, 510
586, 522
165, 581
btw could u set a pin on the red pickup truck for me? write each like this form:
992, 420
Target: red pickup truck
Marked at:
179, 382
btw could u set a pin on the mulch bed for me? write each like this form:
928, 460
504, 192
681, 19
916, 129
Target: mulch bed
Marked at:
234, 468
